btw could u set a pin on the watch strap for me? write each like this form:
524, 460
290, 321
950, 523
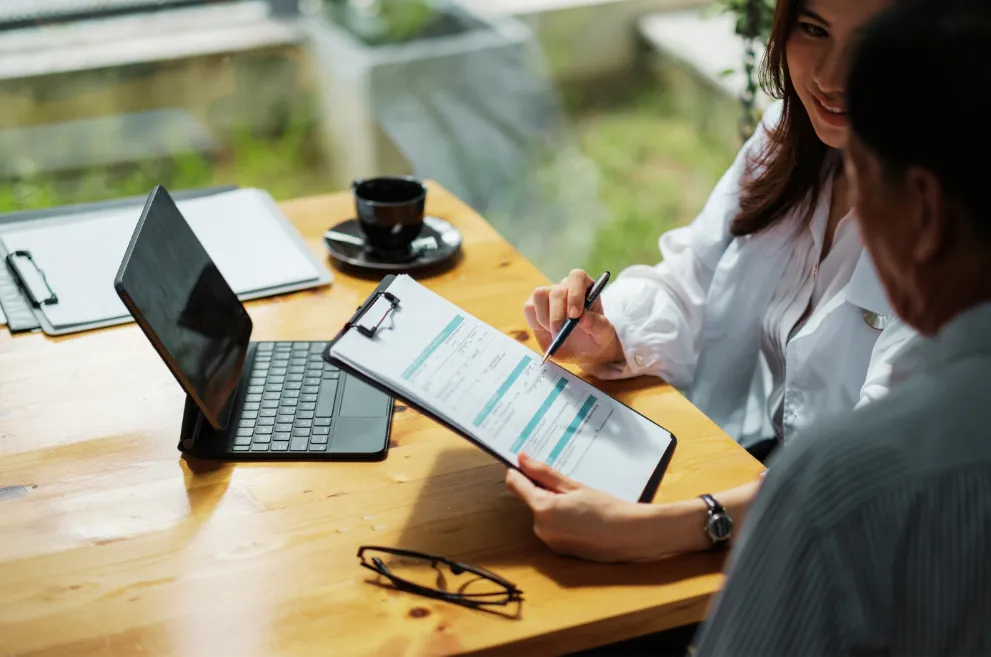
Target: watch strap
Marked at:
714, 506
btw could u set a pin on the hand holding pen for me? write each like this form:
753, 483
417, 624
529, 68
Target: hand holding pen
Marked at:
572, 313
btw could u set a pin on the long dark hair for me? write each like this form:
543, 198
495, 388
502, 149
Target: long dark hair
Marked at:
788, 174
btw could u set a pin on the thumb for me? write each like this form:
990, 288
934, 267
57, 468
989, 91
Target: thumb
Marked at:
546, 476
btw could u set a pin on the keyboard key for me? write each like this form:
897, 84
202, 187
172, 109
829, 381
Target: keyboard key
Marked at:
331, 374
283, 345
265, 346
309, 398
300, 346
317, 447
285, 417
294, 377
280, 362
322, 422
246, 423
266, 421
301, 432
269, 403
312, 388
284, 426
293, 385
321, 431
311, 381
280, 446
267, 412
242, 448
298, 444
251, 406
274, 387
245, 432
261, 438
307, 406
257, 381
261, 431
303, 423
281, 435
291, 401
319, 439
304, 415
254, 390
325, 403
317, 347
259, 447
249, 415
290, 394
297, 360
252, 398
277, 371
271, 395
242, 440
296, 369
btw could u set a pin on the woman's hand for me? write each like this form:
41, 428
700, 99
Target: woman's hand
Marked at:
578, 521
594, 340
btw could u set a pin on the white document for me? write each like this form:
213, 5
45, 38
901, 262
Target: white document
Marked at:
239, 229
495, 390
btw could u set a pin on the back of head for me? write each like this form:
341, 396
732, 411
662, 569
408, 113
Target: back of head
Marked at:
919, 94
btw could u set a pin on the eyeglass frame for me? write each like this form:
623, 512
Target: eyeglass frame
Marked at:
512, 593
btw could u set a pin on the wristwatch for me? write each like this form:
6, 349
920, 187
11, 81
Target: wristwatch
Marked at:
718, 524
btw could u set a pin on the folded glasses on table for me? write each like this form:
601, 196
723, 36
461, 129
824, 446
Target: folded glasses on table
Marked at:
438, 577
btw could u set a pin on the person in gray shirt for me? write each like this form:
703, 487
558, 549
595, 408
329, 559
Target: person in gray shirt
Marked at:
872, 533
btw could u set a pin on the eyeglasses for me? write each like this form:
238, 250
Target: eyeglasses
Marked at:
421, 573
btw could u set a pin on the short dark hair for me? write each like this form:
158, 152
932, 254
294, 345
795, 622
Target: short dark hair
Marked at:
919, 94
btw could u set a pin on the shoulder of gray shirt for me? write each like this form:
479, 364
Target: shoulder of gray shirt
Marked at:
932, 424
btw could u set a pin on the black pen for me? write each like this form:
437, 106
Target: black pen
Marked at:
593, 292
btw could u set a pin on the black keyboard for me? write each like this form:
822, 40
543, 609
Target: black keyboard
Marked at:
290, 399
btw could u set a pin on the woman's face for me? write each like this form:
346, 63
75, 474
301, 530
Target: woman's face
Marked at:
818, 52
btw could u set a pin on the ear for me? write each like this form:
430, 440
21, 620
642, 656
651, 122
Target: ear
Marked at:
931, 216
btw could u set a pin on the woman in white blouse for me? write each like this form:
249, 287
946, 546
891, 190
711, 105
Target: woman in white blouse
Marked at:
766, 311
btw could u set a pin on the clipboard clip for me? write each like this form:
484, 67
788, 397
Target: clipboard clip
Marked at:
14, 264
366, 329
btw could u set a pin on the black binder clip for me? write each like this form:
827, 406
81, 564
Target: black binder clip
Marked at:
368, 329
24, 280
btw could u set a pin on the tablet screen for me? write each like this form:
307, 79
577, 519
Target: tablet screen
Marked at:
185, 306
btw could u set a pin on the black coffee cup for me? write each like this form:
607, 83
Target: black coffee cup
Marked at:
390, 213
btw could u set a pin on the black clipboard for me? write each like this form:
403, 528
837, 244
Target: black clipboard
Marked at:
367, 325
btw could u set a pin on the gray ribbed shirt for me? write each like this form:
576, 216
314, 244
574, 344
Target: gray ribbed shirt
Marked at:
872, 533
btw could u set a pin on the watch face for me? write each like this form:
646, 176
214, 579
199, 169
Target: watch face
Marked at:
720, 527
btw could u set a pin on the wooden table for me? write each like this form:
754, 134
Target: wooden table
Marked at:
111, 544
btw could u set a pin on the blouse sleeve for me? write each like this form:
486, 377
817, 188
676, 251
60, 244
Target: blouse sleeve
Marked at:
657, 310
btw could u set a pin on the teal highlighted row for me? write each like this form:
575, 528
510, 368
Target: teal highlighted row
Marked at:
539, 415
500, 393
432, 347
572, 428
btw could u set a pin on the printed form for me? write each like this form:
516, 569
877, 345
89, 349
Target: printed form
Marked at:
496, 391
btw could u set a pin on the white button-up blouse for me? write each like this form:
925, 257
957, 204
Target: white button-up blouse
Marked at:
761, 333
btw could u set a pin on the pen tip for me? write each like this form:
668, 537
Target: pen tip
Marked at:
544, 361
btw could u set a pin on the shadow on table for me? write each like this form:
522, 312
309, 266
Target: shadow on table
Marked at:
464, 512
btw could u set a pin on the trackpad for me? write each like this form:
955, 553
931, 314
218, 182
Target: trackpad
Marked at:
362, 400
360, 435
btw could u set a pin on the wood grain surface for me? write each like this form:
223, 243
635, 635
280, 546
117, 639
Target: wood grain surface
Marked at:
112, 544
